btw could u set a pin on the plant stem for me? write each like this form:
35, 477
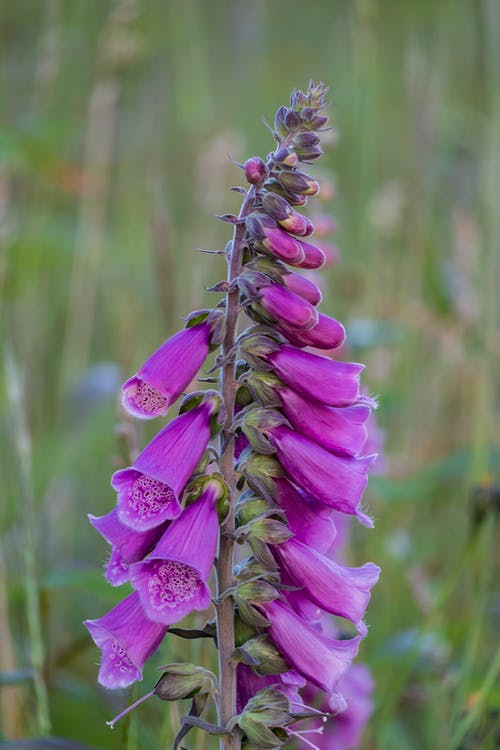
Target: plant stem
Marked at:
225, 562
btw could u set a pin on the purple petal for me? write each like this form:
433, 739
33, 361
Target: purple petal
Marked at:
334, 481
340, 430
167, 373
143, 502
321, 660
311, 522
303, 287
316, 377
172, 581
327, 333
288, 307
127, 638
334, 588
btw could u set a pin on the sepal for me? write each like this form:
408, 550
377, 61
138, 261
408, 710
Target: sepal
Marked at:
262, 655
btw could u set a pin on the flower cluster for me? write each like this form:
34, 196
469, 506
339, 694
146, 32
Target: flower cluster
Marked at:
293, 434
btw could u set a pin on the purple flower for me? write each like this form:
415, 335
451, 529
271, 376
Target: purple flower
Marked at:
334, 481
334, 588
317, 377
165, 375
128, 545
327, 333
312, 257
303, 287
127, 638
320, 660
287, 307
310, 521
340, 430
149, 490
172, 580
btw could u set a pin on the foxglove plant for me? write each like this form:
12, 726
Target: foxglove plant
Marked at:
290, 459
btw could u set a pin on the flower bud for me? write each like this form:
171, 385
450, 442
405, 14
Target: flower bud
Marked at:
305, 140
309, 154
279, 122
292, 120
255, 170
183, 680
286, 157
298, 182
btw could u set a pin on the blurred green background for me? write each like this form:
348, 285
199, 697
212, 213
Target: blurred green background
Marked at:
117, 119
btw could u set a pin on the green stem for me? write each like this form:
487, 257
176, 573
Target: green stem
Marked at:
225, 562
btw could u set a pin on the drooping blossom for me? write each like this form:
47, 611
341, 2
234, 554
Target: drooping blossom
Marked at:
250, 683
335, 588
149, 490
319, 378
127, 638
167, 372
320, 660
310, 521
172, 580
333, 480
127, 545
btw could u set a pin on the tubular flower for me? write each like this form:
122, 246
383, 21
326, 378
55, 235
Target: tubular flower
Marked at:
127, 545
163, 377
127, 638
149, 490
172, 581
334, 481
318, 378
334, 588
320, 660
287, 307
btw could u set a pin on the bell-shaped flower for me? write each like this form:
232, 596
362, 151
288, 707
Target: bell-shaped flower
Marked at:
172, 581
150, 489
310, 521
127, 638
312, 257
341, 430
332, 480
319, 659
127, 546
287, 307
334, 588
327, 333
303, 287
316, 377
166, 374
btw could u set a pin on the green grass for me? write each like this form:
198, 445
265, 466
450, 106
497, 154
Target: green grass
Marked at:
116, 123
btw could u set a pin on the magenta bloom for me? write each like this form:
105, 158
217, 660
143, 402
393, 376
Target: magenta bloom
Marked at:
316, 377
320, 660
339, 429
167, 372
128, 546
327, 333
310, 521
313, 257
303, 287
149, 490
334, 481
287, 307
172, 581
334, 588
127, 638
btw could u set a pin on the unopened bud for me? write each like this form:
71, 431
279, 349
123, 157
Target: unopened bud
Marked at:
286, 157
298, 182
261, 654
279, 122
292, 120
255, 170
183, 680
306, 140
